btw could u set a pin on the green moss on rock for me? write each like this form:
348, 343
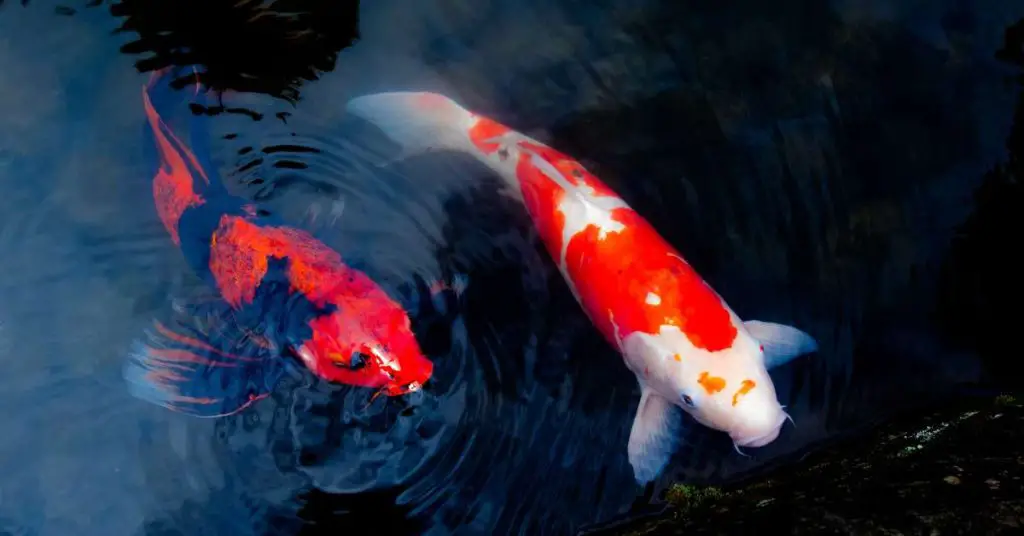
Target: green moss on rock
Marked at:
957, 470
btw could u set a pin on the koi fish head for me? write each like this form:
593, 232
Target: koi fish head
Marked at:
728, 390
731, 391
367, 346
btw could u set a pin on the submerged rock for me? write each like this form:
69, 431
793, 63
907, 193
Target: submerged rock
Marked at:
956, 470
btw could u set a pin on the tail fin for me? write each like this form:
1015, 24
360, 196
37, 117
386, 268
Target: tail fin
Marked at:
417, 121
183, 177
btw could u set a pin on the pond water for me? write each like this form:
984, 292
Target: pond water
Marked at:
812, 160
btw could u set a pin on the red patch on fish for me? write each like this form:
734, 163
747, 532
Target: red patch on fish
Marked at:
173, 186
486, 129
240, 252
614, 274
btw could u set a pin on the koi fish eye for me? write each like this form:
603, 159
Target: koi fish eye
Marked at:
689, 401
356, 362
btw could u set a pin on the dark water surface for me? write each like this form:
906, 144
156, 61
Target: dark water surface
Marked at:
813, 160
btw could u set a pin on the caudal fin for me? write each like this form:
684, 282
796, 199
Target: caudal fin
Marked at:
417, 121
181, 178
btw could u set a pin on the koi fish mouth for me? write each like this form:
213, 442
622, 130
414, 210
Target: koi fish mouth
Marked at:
758, 441
761, 440
396, 390
399, 390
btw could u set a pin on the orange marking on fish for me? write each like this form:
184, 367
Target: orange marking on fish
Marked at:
187, 153
486, 129
170, 334
195, 400
678, 357
711, 384
173, 191
164, 376
745, 387
184, 356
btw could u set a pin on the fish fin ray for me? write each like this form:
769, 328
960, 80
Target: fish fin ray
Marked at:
435, 292
322, 216
455, 285
183, 368
653, 437
781, 343
199, 138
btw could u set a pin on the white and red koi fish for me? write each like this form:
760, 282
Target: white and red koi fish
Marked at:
685, 345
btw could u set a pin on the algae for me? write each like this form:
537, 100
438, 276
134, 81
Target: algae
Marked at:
954, 470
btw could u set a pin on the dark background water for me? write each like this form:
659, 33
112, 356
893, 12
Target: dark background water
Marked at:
818, 163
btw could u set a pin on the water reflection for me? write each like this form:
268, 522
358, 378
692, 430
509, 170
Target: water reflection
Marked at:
812, 160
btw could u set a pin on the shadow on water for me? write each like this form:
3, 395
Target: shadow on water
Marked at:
813, 160
269, 47
980, 283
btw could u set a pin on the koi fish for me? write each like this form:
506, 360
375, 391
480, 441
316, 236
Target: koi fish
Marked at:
687, 348
301, 300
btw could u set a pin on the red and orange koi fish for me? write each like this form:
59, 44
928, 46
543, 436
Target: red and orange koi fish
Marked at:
686, 347
309, 304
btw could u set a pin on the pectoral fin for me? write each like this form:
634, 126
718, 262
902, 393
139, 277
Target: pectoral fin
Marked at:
653, 437
200, 367
456, 285
781, 343
322, 216
421, 292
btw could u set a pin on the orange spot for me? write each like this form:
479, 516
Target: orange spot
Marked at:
678, 357
486, 129
745, 387
711, 384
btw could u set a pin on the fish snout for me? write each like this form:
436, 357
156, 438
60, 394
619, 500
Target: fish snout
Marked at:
758, 436
410, 378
